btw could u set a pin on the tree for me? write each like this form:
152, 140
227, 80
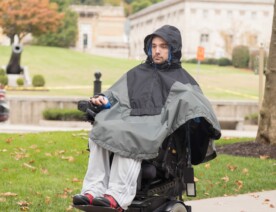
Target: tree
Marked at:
267, 131
67, 32
21, 17
88, 2
139, 5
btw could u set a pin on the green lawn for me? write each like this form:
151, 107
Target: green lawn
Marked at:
42, 171
68, 72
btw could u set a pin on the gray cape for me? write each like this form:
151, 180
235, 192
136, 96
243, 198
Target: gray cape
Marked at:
149, 103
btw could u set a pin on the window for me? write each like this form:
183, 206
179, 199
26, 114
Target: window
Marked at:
242, 12
85, 40
204, 38
254, 15
229, 13
266, 13
217, 12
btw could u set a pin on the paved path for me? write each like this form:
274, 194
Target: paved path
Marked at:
13, 128
253, 202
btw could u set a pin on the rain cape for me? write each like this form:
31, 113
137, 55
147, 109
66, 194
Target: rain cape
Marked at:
150, 102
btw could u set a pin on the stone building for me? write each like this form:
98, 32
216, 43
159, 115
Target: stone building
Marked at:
216, 25
101, 30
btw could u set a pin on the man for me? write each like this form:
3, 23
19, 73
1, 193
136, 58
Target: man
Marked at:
149, 103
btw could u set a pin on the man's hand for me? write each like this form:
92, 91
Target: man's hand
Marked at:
99, 100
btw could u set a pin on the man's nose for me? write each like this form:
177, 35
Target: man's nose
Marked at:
158, 49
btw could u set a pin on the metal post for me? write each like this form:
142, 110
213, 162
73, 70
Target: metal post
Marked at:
97, 83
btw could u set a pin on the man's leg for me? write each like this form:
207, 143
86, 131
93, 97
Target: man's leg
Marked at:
98, 171
123, 180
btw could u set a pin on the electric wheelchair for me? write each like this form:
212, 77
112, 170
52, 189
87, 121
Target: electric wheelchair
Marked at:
164, 179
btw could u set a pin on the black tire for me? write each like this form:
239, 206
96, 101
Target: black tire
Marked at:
178, 207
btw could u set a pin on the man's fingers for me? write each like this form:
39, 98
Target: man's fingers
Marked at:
100, 100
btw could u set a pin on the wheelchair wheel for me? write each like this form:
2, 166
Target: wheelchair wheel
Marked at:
178, 207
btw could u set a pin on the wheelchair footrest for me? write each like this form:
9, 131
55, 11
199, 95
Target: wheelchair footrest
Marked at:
92, 208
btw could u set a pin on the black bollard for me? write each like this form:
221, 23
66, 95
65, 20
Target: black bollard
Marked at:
14, 63
97, 83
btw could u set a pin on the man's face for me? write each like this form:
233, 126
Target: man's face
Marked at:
160, 50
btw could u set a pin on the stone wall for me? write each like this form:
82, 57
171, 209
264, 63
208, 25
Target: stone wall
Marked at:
28, 110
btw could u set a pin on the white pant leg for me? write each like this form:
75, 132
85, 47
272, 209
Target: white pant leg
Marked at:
123, 180
97, 175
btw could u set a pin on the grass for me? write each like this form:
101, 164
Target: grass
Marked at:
71, 73
42, 171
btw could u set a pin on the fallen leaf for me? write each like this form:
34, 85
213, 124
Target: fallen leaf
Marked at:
3, 199
31, 161
196, 179
207, 166
48, 154
75, 180
70, 208
23, 203
21, 155
44, 171
266, 201
225, 179
29, 166
61, 152
264, 157
68, 190
245, 171
5, 169
9, 140
231, 167
24, 208
33, 146
63, 196
38, 193
255, 196
69, 158
8, 194
47, 200
239, 183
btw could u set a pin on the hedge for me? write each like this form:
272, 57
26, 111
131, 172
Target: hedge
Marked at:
63, 114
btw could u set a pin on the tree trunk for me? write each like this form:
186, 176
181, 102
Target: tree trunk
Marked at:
267, 124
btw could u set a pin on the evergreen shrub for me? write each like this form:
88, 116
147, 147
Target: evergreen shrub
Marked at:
38, 81
63, 114
3, 77
240, 56
20, 81
224, 62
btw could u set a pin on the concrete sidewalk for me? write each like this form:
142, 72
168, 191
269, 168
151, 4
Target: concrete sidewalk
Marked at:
253, 202
15, 128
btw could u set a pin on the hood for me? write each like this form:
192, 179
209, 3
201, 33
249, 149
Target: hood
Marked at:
173, 37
